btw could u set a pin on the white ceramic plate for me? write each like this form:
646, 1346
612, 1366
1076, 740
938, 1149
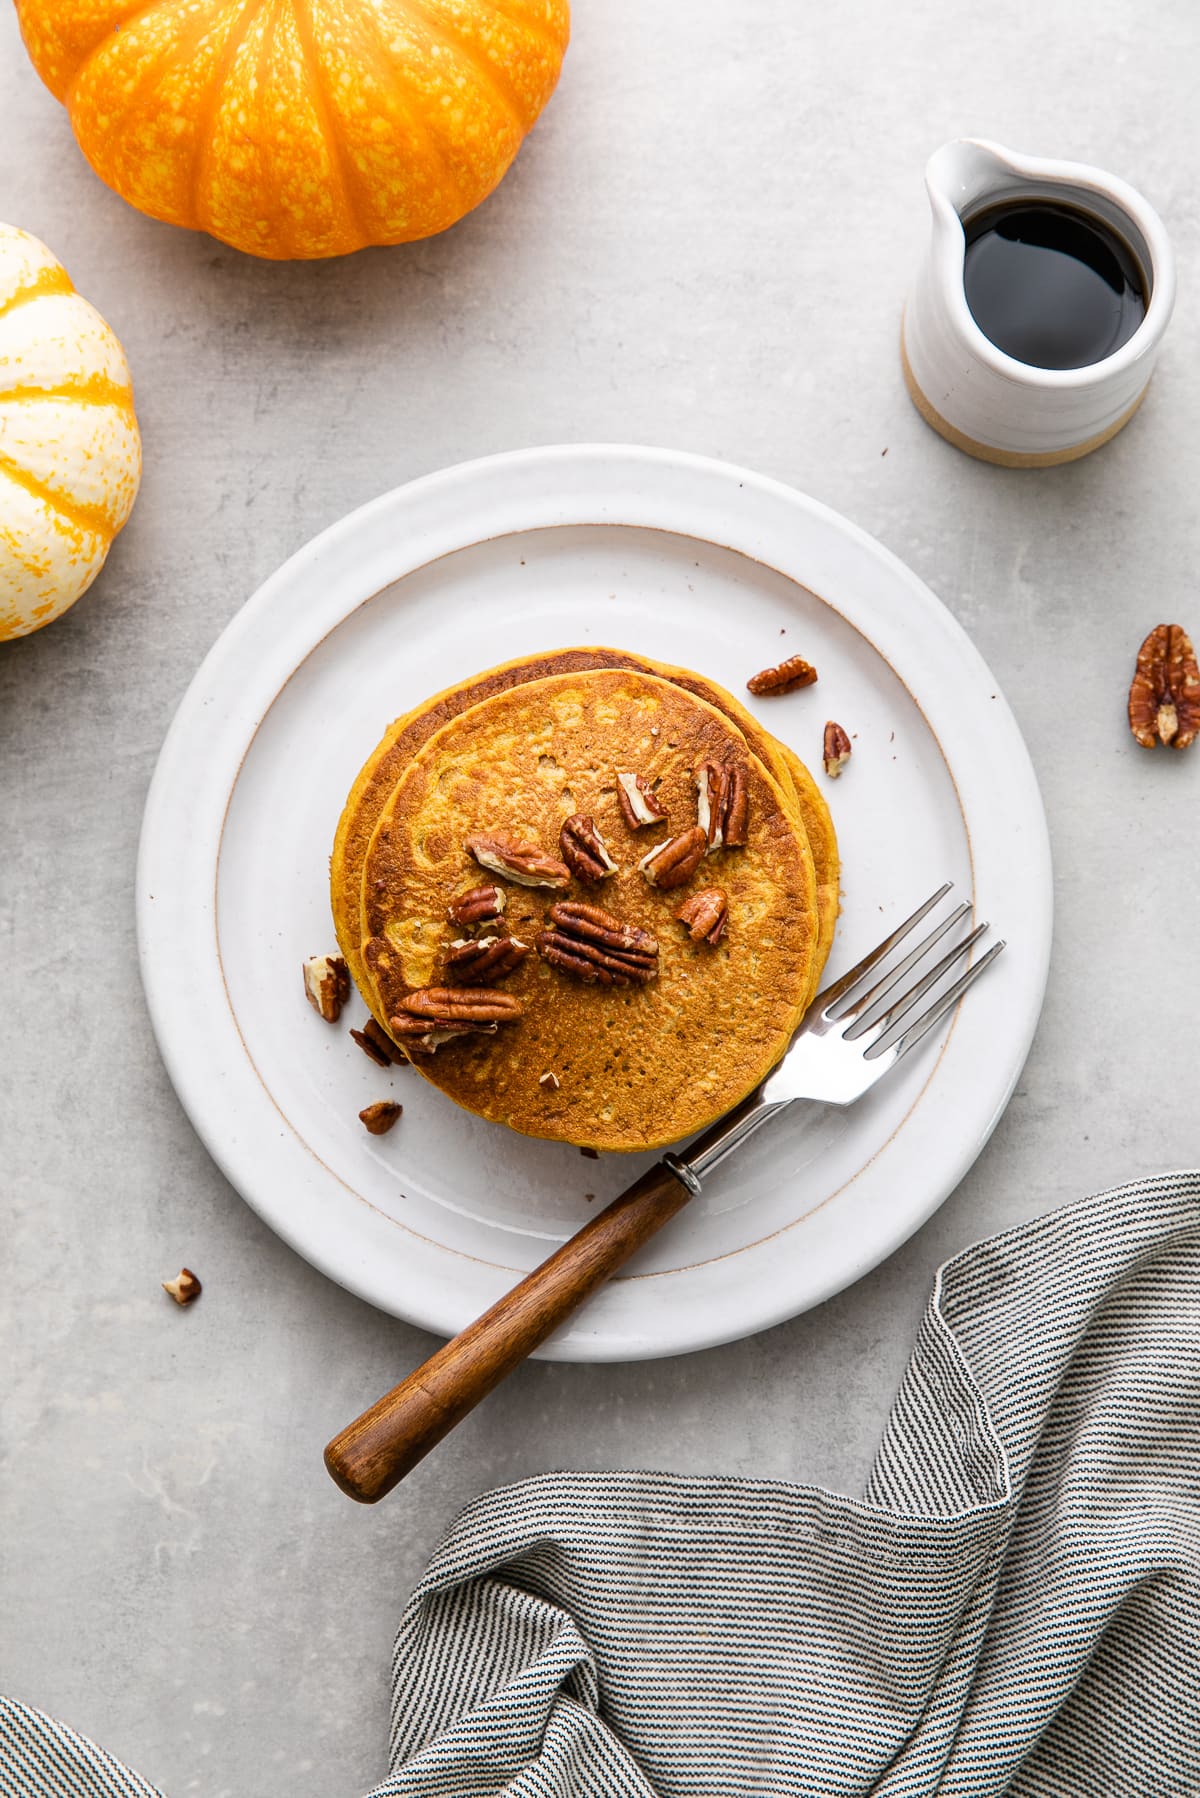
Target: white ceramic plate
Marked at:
681, 559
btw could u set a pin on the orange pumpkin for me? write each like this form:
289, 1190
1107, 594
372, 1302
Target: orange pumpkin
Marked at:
300, 128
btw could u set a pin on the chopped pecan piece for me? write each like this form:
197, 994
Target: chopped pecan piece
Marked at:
705, 915
675, 861
590, 944
523, 862
722, 804
1164, 699
735, 819
639, 802
375, 1042
584, 850
836, 749
480, 905
376, 1034
380, 1117
327, 985
710, 778
374, 1051
480, 959
785, 677
184, 1287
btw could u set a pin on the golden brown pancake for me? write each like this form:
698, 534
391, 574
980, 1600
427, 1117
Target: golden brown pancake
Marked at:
391, 757
822, 840
636, 1067
792, 776
405, 736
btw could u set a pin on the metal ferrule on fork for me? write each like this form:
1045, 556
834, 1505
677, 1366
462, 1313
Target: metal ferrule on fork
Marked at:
709, 1150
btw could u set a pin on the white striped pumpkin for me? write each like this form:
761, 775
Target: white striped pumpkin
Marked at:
70, 453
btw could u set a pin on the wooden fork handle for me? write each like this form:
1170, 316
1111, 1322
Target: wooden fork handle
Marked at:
374, 1453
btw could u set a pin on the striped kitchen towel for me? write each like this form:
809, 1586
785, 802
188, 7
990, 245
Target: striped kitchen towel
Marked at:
1013, 1606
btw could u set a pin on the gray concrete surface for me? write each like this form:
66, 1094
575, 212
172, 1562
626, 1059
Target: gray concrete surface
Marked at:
705, 245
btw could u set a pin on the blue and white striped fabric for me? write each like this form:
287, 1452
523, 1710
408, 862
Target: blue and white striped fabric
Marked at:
1012, 1607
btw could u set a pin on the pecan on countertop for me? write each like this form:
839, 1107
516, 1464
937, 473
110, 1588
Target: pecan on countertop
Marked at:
1164, 698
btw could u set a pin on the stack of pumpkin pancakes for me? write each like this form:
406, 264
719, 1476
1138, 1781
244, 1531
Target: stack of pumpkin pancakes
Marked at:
610, 1042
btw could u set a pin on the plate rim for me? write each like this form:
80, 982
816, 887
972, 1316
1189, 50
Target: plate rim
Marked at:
371, 568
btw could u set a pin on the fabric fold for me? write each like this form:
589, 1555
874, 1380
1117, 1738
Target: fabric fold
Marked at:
972, 1626
1012, 1607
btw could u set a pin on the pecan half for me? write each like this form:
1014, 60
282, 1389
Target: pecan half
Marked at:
639, 802
380, 1117
1164, 699
460, 1005
785, 677
584, 850
675, 861
479, 905
480, 959
590, 944
705, 914
439, 1014
591, 923
523, 862
836, 749
184, 1287
327, 985
722, 804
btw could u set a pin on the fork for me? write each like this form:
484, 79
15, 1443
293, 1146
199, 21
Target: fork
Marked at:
847, 1041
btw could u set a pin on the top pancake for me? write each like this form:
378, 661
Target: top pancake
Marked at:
637, 1067
405, 736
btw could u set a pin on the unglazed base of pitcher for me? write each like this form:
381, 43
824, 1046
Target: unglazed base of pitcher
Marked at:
986, 452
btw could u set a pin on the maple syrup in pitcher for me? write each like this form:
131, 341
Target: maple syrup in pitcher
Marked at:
1051, 284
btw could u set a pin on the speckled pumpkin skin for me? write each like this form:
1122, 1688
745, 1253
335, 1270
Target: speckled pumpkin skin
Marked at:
300, 128
70, 452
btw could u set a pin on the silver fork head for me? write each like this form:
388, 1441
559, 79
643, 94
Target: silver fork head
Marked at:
854, 1031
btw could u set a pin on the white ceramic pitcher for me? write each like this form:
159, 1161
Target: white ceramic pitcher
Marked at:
979, 398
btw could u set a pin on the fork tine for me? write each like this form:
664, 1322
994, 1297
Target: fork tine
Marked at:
825, 1000
887, 1020
858, 1008
937, 1010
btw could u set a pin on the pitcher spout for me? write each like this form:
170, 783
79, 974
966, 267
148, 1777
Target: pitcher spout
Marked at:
965, 174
